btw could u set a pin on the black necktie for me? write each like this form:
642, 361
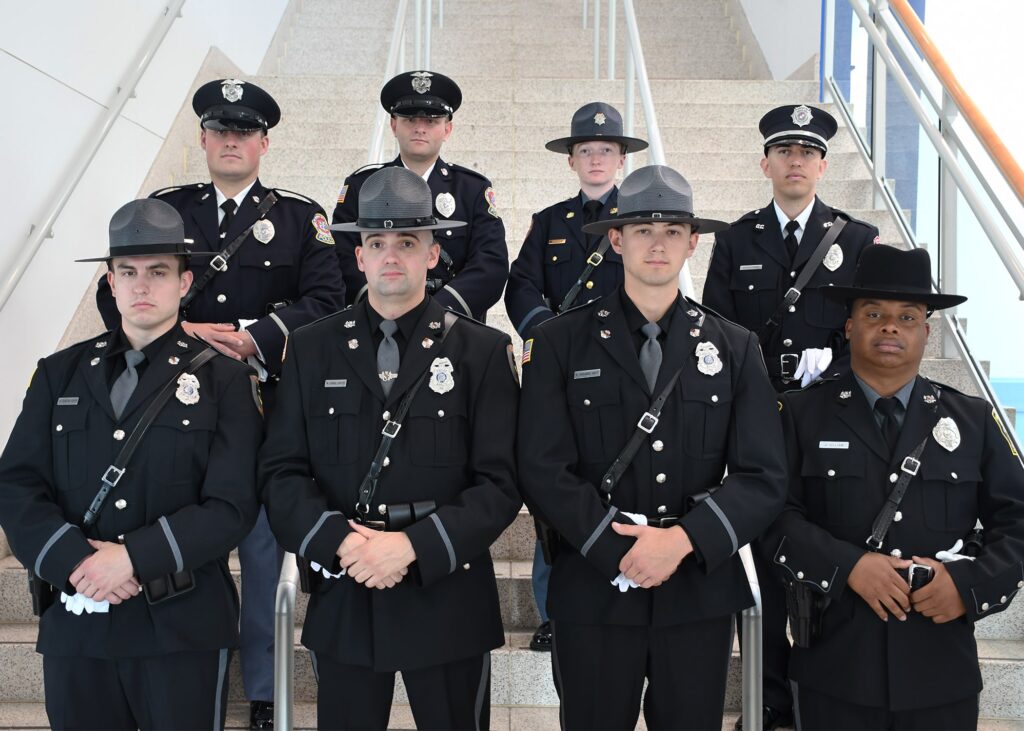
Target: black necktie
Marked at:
228, 207
791, 242
591, 210
890, 426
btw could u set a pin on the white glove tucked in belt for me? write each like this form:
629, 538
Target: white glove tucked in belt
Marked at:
813, 362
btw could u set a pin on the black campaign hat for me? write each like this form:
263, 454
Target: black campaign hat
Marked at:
421, 94
596, 121
395, 199
146, 227
233, 104
655, 194
798, 124
887, 273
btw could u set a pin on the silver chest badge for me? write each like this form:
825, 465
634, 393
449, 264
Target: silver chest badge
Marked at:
231, 89
708, 361
263, 230
421, 81
445, 204
834, 258
188, 389
802, 116
441, 380
947, 434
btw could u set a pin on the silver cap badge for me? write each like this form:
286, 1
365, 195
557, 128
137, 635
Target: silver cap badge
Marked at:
802, 116
599, 119
421, 81
232, 89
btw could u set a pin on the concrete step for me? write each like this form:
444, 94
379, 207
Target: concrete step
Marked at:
336, 13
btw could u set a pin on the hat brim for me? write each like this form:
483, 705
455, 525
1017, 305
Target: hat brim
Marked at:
354, 227
932, 300
172, 249
797, 139
563, 145
702, 225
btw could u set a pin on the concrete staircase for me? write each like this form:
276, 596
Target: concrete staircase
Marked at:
524, 66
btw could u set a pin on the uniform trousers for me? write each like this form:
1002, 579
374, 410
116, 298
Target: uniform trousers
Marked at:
260, 558
455, 695
600, 671
183, 690
814, 710
539, 581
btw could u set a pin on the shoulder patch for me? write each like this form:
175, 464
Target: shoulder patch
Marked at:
527, 350
342, 193
490, 196
323, 229
173, 188
780, 406
293, 194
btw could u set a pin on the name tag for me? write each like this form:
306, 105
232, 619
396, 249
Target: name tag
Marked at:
750, 267
833, 445
68, 401
586, 374
555, 242
336, 383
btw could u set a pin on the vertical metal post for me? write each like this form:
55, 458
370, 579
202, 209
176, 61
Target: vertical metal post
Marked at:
611, 39
878, 103
401, 54
629, 122
429, 18
418, 41
947, 252
828, 44
586, 12
284, 643
440, 14
597, 39
752, 648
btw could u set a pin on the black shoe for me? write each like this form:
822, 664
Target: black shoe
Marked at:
541, 641
770, 718
261, 714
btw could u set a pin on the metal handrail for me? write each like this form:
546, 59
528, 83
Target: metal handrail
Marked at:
952, 324
284, 643
752, 647
125, 91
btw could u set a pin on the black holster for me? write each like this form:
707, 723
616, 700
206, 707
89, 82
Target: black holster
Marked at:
169, 586
974, 542
400, 516
805, 608
42, 592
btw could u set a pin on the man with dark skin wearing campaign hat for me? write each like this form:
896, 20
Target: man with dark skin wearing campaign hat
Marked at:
138, 609
473, 261
756, 264
633, 406
889, 473
397, 539
560, 266
276, 270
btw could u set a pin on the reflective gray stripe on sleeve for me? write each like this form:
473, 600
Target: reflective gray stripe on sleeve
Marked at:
314, 529
725, 522
222, 671
284, 328
447, 541
179, 565
529, 316
481, 691
458, 296
49, 544
597, 532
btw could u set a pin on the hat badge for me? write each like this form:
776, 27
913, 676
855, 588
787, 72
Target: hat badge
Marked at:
600, 119
802, 116
421, 81
232, 89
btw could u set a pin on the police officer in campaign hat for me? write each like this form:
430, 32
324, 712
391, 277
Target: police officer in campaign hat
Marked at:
275, 270
473, 265
768, 273
560, 266
128, 478
884, 627
633, 407
389, 470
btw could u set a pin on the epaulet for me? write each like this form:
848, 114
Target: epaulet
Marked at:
704, 308
578, 307
102, 337
173, 188
293, 194
468, 171
367, 168
848, 217
321, 319
941, 387
748, 216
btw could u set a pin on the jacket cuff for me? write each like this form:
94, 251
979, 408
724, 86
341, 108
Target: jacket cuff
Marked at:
61, 553
826, 575
987, 597
154, 551
323, 539
435, 552
605, 548
270, 332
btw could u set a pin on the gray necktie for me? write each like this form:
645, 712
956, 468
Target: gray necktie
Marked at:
125, 384
650, 354
387, 356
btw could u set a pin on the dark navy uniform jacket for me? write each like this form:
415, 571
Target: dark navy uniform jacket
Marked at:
750, 273
189, 495
553, 256
583, 394
839, 479
288, 282
478, 251
455, 447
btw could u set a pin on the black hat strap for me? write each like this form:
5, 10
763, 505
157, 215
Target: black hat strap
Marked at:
385, 224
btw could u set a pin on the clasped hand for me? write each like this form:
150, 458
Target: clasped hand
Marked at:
107, 574
377, 559
655, 556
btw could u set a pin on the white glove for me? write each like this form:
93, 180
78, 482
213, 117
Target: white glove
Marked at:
953, 554
813, 362
80, 603
621, 582
256, 361
327, 574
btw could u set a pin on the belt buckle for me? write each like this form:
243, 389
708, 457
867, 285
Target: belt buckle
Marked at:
911, 466
788, 363
595, 259
391, 429
647, 422
219, 263
874, 545
118, 471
